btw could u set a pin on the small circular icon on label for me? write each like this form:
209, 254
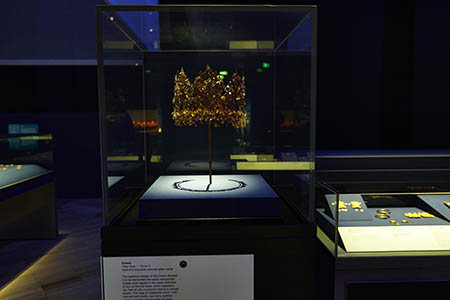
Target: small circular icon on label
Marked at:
183, 264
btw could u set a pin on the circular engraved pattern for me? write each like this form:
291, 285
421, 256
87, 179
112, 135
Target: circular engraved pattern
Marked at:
384, 211
185, 185
382, 216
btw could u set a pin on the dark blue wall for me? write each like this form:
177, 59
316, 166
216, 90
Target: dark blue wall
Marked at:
431, 94
350, 42
50, 29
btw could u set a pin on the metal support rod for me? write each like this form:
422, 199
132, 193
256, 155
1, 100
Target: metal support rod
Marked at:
209, 150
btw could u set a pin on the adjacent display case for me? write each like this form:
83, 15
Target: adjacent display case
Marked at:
208, 131
385, 211
27, 201
384, 228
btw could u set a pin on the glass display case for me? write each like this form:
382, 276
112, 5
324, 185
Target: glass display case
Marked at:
27, 202
207, 120
384, 212
206, 112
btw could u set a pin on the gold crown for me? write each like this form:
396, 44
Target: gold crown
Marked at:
209, 100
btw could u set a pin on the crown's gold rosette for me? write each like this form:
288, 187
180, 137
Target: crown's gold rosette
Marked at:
209, 99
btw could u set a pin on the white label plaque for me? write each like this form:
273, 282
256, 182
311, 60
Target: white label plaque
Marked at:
218, 277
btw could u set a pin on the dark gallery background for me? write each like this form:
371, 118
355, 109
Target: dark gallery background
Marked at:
382, 78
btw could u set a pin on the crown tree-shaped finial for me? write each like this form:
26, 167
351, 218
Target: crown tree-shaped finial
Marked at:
208, 100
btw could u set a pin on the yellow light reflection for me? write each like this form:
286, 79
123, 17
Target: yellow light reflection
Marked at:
24, 285
275, 165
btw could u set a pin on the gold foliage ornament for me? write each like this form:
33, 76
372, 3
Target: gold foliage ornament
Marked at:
209, 100
417, 215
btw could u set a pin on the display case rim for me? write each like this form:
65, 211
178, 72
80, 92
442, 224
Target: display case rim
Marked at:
21, 135
221, 7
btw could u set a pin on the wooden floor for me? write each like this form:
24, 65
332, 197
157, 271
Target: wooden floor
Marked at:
71, 269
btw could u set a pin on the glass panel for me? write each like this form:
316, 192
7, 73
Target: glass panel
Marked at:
293, 108
208, 90
124, 116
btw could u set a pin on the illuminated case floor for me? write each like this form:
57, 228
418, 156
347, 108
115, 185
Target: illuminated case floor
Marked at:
193, 197
11, 174
396, 232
